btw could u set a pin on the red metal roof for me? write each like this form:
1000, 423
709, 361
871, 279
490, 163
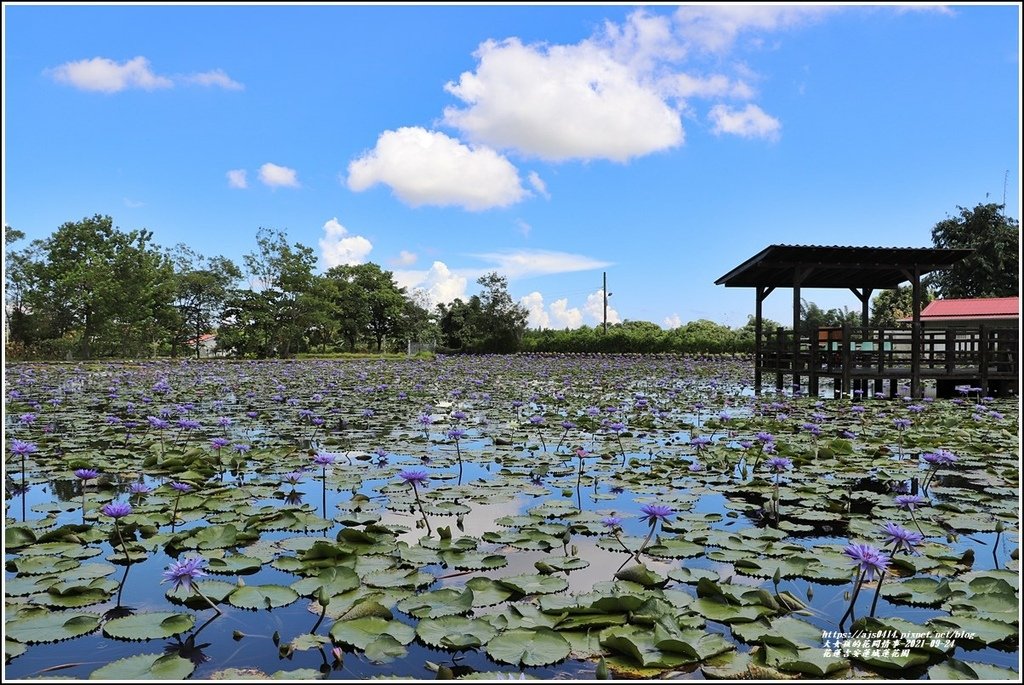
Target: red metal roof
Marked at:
980, 308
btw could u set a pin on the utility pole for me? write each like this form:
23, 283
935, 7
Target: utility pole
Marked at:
604, 293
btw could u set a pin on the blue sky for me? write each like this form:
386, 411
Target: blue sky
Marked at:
661, 144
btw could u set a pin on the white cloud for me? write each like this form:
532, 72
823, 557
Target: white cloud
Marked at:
524, 228
561, 102
594, 308
715, 28
405, 258
526, 263
104, 75
214, 77
107, 76
534, 303
750, 122
716, 85
673, 321
562, 316
440, 283
237, 179
134, 204
275, 176
337, 247
429, 168
537, 183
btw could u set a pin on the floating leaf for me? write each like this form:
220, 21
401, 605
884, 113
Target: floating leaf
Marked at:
444, 602
534, 585
51, 627
362, 631
536, 647
148, 626
262, 596
145, 667
455, 632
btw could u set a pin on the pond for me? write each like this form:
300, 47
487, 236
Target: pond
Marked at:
491, 517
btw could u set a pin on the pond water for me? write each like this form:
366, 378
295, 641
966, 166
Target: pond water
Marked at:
509, 539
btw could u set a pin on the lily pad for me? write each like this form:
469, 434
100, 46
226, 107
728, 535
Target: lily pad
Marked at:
536, 647
262, 597
148, 626
145, 667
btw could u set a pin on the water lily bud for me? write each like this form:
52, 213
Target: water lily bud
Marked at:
602, 671
276, 637
778, 575
237, 635
810, 593
323, 596
999, 526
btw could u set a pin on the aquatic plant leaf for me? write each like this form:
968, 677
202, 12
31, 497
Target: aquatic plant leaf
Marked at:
145, 667
534, 584
455, 632
51, 626
336, 580
148, 626
487, 592
361, 632
262, 597
528, 647
443, 602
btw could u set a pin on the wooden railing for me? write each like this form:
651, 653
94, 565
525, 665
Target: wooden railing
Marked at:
982, 353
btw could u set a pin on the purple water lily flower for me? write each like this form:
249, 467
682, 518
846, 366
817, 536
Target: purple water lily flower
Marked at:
611, 522
779, 464
656, 512
456, 434
116, 509
324, 458
139, 488
901, 538
183, 573
868, 559
22, 448
910, 502
181, 487
415, 476
86, 474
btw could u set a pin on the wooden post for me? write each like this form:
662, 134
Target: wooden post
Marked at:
780, 336
881, 360
757, 338
796, 338
983, 357
915, 350
950, 350
812, 369
847, 359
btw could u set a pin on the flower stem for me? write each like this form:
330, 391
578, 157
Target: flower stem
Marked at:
420, 505
195, 588
117, 528
853, 600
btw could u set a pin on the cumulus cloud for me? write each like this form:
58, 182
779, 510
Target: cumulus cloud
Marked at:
534, 304
104, 75
716, 85
107, 76
214, 78
439, 283
337, 247
537, 183
562, 316
561, 102
594, 308
276, 176
237, 179
526, 263
749, 122
405, 258
673, 321
429, 168
714, 28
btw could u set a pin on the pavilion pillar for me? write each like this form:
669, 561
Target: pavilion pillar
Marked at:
761, 293
796, 338
915, 352
864, 295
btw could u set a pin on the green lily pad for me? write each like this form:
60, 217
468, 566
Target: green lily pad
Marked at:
455, 632
528, 647
443, 602
145, 667
262, 597
148, 626
51, 627
359, 633
534, 584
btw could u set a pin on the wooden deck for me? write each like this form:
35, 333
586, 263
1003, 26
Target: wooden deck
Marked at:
866, 359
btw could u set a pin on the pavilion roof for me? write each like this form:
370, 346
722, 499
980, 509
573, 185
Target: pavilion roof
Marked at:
838, 266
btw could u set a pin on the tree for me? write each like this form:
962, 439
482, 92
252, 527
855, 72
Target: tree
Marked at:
991, 271
97, 289
889, 306
201, 288
504, 320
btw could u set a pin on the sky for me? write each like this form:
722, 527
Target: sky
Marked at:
661, 145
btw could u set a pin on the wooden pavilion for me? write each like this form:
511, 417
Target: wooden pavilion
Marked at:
851, 356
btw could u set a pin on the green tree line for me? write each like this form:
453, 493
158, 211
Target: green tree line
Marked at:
93, 290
